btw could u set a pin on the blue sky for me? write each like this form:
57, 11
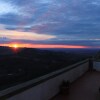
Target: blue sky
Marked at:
68, 22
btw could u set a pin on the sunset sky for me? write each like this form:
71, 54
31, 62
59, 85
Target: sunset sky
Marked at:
50, 23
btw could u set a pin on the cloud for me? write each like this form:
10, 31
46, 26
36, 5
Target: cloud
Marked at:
18, 35
8, 7
62, 21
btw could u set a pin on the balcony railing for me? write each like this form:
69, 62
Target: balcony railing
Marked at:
47, 86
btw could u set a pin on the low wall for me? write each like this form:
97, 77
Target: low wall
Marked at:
47, 86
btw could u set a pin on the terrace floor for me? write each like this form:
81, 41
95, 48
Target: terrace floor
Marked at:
85, 88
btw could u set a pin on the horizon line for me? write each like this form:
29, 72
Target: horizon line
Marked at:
48, 46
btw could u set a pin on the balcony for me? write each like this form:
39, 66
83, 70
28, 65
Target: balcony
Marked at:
84, 77
85, 88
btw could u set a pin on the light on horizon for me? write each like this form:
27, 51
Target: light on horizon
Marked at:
15, 46
28, 45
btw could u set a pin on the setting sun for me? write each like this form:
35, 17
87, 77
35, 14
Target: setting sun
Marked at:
15, 46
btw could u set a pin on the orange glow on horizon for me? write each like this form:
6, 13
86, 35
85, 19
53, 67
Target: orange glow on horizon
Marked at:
27, 45
15, 46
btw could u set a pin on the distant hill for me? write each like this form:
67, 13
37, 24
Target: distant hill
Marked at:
5, 50
88, 51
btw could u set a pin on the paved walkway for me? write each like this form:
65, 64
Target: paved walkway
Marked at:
86, 88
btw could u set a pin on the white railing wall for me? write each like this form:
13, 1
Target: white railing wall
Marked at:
50, 87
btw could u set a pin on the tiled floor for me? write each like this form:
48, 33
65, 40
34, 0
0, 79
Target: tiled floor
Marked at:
85, 88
